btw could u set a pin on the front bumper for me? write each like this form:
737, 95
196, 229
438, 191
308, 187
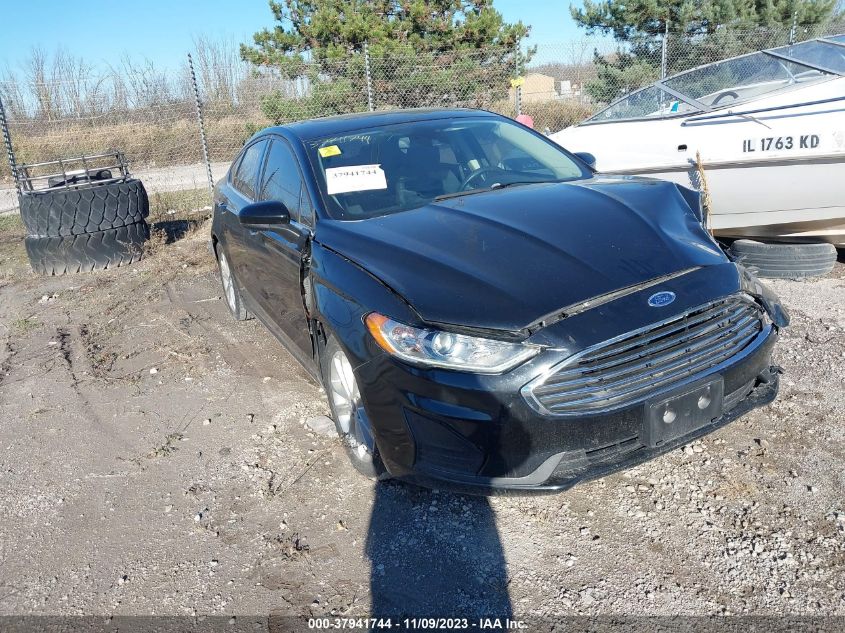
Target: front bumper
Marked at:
477, 434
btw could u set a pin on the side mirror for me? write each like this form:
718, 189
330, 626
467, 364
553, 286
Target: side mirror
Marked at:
587, 158
266, 213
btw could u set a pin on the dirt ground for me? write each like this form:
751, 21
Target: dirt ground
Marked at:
154, 459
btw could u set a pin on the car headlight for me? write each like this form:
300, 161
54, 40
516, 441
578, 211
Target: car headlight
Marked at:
436, 348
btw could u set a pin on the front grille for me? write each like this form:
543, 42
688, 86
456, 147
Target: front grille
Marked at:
636, 365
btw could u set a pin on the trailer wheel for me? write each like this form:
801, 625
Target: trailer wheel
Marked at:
784, 261
61, 211
87, 251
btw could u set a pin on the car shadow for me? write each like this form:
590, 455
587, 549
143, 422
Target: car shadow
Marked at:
435, 555
439, 554
175, 230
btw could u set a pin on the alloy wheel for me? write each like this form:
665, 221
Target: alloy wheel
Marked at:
346, 399
228, 282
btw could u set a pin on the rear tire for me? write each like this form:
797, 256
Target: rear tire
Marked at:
87, 251
784, 261
348, 413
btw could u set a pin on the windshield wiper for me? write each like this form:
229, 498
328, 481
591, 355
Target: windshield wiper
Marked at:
519, 183
495, 186
458, 194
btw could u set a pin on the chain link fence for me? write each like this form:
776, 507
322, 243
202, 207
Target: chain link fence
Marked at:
60, 107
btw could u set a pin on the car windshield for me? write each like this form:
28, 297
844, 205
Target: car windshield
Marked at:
393, 168
730, 82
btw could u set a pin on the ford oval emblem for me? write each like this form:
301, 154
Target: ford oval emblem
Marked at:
660, 299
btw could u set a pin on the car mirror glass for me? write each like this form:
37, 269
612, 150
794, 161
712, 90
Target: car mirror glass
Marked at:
587, 158
265, 213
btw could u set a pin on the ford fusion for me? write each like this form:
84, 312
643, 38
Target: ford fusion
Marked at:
484, 311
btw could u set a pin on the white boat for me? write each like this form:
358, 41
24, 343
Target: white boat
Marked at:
769, 128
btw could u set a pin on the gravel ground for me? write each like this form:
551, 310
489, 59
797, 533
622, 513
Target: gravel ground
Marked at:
155, 459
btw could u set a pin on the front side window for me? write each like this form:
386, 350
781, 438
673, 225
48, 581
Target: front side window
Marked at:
281, 180
394, 168
246, 173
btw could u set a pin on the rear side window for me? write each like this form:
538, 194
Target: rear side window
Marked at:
246, 173
281, 180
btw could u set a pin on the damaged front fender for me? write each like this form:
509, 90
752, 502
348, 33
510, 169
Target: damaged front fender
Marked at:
768, 299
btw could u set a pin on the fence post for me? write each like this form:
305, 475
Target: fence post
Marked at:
203, 141
664, 52
10, 152
793, 28
369, 76
518, 90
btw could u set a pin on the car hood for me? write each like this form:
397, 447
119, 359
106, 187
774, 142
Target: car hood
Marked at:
504, 259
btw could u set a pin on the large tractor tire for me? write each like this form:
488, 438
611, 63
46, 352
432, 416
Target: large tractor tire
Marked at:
70, 211
87, 251
87, 228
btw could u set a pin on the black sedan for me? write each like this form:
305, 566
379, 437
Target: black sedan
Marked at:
482, 309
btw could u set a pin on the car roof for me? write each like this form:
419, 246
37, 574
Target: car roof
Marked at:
344, 123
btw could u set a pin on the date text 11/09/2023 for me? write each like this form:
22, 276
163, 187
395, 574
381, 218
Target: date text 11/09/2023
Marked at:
427, 624
769, 143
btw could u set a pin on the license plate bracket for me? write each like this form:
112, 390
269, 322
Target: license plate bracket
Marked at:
688, 409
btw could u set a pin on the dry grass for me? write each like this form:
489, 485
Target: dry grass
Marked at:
165, 204
13, 260
11, 225
166, 139
555, 114
158, 142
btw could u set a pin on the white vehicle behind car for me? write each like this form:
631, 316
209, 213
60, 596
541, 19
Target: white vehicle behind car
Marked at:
769, 128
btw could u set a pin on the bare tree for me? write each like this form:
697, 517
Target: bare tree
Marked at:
13, 94
146, 85
39, 80
219, 68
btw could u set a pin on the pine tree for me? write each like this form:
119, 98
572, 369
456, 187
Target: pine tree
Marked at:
701, 31
423, 52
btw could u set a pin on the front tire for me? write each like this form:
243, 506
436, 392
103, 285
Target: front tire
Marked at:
231, 290
350, 417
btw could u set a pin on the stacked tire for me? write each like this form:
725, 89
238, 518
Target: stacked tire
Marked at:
72, 230
785, 261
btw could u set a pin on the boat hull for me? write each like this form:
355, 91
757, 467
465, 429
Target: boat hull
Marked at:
775, 171
771, 200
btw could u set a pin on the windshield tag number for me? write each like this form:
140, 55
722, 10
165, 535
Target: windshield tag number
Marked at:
774, 143
355, 178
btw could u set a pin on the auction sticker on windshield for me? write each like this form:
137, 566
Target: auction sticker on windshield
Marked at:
329, 150
355, 178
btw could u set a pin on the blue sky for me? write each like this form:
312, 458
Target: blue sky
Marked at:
162, 30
